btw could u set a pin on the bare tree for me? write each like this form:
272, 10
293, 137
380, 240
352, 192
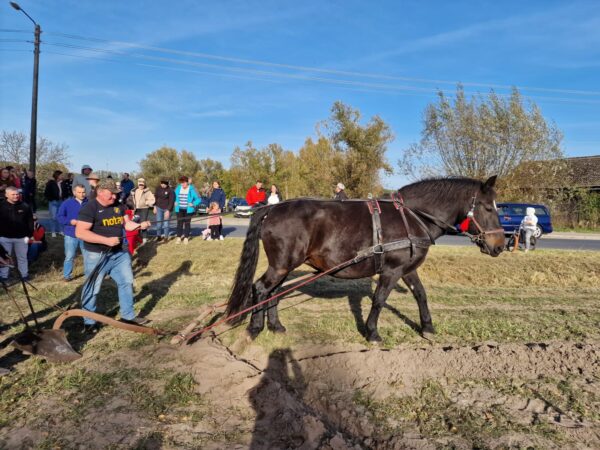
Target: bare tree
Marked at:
487, 136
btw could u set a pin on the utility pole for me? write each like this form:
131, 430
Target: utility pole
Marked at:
34, 94
34, 101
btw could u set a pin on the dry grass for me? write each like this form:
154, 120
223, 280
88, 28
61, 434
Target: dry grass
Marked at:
541, 296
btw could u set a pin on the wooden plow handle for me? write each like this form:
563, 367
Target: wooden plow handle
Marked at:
106, 320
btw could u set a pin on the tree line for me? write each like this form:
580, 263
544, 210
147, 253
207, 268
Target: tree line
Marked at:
475, 137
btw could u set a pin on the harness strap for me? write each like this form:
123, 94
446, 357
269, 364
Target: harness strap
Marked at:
378, 252
391, 246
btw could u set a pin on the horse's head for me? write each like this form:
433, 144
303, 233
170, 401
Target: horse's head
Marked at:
484, 226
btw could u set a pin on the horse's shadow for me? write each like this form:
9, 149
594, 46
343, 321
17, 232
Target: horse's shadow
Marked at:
356, 290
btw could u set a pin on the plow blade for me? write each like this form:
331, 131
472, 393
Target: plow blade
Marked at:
49, 344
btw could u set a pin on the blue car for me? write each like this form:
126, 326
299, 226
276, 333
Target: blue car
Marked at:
511, 215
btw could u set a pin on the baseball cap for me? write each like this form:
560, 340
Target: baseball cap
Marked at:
142, 181
341, 186
85, 166
92, 176
109, 185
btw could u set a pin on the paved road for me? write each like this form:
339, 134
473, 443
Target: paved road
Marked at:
563, 241
233, 227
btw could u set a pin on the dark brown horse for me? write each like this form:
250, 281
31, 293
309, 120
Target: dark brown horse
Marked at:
326, 233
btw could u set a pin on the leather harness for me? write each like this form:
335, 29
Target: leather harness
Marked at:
379, 248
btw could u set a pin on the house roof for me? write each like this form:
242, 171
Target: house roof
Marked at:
585, 170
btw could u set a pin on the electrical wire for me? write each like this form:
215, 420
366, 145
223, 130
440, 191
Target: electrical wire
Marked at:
336, 81
322, 70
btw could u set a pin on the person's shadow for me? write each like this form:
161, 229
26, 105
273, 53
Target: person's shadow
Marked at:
278, 402
158, 288
143, 255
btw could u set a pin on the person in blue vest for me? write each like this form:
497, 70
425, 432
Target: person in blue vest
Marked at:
126, 187
67, 216
186, 201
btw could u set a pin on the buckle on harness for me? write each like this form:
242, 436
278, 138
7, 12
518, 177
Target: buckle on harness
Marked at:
378, 249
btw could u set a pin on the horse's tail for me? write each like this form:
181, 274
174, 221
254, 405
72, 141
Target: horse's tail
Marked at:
241, 293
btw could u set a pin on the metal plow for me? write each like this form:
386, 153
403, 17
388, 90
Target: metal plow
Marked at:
53, 344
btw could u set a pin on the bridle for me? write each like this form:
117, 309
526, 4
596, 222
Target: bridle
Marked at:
479, 237
476, 238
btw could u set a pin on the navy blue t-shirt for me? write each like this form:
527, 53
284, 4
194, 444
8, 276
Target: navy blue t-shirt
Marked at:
106, 221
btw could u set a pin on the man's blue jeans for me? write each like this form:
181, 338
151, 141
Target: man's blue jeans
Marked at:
118, 266
53, 206
162, 225
71, 245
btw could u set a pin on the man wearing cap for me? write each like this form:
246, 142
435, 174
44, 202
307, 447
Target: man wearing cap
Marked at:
81, 178
340, 193
256, 195
93, 181
100, 226
141, 199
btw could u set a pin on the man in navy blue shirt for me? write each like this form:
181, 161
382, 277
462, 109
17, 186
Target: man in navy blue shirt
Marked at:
67, 216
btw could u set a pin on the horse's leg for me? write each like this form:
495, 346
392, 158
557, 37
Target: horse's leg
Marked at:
413, 282
262, 288
386, 283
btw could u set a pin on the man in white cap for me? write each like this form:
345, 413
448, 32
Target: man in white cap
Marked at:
340, 194
82, 178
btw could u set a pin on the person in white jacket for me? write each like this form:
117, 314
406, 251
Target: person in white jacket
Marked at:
529, 225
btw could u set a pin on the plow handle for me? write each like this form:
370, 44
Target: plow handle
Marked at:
106, 320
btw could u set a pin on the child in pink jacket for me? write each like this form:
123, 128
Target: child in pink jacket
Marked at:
214, 222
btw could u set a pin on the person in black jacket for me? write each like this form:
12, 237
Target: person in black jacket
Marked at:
29, 187
55, 194
16, 228
164, 201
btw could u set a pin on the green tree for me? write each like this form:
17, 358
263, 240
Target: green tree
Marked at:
315, 159
479, 137
360, 149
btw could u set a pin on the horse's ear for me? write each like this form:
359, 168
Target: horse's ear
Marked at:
490, 183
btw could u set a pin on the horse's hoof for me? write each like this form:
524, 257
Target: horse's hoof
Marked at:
374, 339
428, 335
278, 329
252, 333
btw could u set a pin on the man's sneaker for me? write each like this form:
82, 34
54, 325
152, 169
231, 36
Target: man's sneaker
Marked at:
67, 280
136, 321
159, 238
144, 241
26, 278
186, 241
221, 238
178, 240
209, 238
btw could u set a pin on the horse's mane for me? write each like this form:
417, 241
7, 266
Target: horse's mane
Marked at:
442, 188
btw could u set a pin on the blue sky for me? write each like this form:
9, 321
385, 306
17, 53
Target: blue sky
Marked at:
210, 76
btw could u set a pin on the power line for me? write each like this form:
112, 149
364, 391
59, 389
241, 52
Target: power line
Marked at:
337, 81
321, 70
